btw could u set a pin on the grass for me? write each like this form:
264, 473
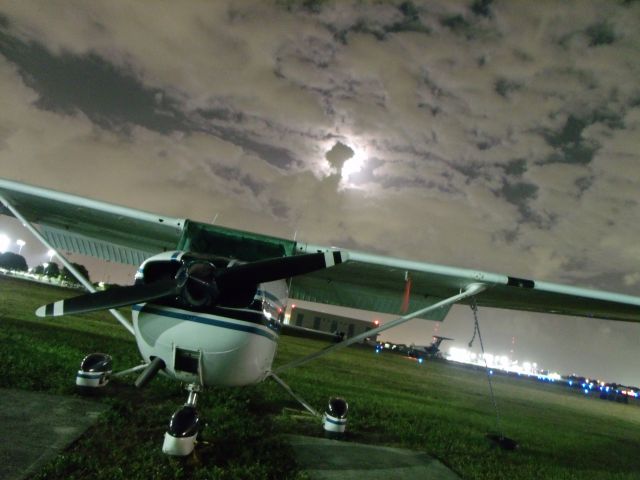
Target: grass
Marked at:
438, 408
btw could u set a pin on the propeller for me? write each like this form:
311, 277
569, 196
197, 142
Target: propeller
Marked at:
199, 283
113, 298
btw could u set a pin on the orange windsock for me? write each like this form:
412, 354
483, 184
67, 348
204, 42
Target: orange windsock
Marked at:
407, 293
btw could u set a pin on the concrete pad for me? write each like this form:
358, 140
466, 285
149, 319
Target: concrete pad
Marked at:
37, 426
325, 459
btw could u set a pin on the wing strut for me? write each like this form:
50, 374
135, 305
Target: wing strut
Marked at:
471, 290
126, 324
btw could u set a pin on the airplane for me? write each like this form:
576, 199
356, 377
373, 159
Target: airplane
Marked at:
208, 301
431, 351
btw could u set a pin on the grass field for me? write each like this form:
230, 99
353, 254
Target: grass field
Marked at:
436, 407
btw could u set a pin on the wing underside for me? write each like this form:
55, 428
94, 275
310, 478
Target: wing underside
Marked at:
88, 227
377, 281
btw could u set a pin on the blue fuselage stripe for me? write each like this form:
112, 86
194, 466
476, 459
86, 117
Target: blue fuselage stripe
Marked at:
190, 317
336, 422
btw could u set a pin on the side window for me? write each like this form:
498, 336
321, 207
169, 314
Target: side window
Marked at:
350, 330
316, 323
334, 326
299, 319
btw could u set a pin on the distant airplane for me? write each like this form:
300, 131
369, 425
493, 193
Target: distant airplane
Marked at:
208, 301
429, 351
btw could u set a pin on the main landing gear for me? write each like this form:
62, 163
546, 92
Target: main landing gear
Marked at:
95, 371
334, 420
184, 426
180, 438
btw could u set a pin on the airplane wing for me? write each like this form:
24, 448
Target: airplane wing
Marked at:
368, 279
119, 234
365, 281
88, 227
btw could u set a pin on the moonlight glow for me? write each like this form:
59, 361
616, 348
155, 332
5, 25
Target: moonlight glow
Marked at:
4, 243
353, 165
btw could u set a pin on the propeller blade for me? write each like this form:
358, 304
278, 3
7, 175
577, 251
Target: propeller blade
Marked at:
112, 298
279, 268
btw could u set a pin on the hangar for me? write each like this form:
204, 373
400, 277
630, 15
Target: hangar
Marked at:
326, 322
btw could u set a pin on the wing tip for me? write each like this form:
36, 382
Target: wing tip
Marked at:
340, 256
334, 257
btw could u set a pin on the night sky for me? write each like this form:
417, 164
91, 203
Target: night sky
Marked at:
502, 136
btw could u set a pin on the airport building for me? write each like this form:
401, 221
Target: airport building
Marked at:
325, 322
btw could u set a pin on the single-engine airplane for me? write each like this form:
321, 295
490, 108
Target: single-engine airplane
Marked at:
208, 301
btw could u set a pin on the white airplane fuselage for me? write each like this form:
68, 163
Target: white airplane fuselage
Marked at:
225, 346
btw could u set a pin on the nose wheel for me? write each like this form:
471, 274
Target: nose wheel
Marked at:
184, 426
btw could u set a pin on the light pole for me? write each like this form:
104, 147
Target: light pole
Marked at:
21, 243
51, 253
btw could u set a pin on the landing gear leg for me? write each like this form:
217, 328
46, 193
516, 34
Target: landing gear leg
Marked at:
180, 438
334, 420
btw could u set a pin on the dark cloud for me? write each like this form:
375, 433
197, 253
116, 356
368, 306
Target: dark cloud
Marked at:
570, 144
505, 87
519, 194
115, 99
482, 8
110, 96
515, 167
471, 170
279, 209
406, 182
601, 33
339, 154
407, 17
276, 155
237, 177
583, 184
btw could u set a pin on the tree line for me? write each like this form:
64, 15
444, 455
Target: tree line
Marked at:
13, 261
